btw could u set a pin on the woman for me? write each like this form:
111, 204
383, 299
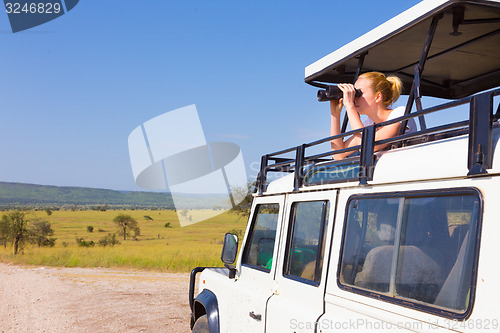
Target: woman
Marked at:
379, 93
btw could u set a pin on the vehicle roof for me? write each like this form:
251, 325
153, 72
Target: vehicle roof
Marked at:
458, 65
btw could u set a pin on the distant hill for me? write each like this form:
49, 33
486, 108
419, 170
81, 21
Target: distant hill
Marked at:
42, 196
18, 194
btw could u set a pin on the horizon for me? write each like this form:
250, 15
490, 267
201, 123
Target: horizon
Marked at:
108, 189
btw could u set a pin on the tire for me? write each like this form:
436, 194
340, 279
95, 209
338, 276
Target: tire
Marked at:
201, 325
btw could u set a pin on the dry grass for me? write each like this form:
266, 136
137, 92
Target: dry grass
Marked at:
158, 248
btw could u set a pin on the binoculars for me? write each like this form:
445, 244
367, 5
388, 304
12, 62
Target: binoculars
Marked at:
333, 93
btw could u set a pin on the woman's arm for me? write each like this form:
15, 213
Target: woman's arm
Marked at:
354, 121
335, 108
382, 133
386, 132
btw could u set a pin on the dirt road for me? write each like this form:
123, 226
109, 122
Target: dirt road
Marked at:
43, 299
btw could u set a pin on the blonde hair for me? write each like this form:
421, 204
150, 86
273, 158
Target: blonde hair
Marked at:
390, 87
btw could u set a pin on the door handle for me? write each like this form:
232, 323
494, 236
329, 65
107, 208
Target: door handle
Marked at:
257, 317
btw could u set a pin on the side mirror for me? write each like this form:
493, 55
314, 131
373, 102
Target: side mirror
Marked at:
229, 251
230, 248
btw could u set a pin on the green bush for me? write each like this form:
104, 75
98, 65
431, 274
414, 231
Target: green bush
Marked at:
83, 243
39, 233
109, 240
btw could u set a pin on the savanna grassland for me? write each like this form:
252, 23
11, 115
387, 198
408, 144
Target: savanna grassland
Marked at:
159, 248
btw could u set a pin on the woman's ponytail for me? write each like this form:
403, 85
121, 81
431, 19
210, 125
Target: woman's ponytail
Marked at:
396, 87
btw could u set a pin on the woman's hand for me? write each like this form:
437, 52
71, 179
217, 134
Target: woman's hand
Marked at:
349, 93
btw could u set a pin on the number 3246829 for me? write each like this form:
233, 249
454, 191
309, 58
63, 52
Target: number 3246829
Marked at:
32, 8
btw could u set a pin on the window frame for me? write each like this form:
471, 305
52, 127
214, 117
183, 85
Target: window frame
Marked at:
321, 244
406, 302
248, 242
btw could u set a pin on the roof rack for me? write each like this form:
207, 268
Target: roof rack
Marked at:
480, 151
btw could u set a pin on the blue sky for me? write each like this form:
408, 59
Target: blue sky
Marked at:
74, 88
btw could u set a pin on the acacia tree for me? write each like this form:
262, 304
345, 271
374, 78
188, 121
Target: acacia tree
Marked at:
128, 225
16, 226
245, 192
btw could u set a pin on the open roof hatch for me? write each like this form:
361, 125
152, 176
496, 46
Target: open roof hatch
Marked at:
462, 47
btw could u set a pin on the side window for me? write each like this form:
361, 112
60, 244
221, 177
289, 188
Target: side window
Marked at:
305, 244
417, 248
260, 244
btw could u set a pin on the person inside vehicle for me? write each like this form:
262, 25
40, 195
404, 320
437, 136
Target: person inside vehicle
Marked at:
378, 94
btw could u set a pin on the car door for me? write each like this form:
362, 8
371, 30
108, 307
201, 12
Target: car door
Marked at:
298, 295
256, 267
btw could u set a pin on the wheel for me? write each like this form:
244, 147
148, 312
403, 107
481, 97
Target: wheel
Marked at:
201, 325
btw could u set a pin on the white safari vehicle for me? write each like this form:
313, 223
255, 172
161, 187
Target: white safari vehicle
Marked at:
405, 238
